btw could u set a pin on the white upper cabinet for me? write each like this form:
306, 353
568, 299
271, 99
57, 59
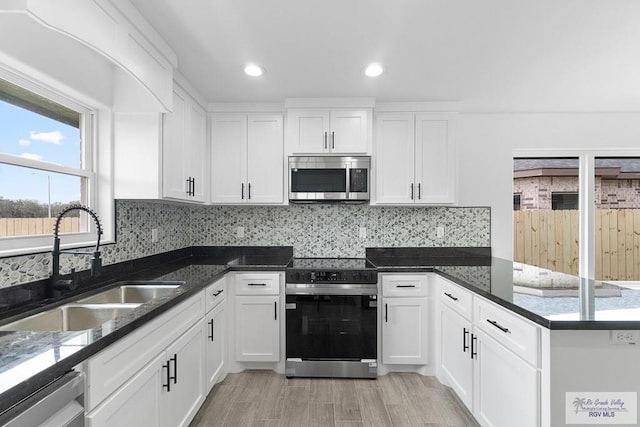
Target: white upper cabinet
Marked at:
329, 131
394, 157
434, 159
414, 158
183, 150
247, 158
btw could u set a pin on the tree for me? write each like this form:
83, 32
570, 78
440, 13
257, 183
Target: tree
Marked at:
23, 208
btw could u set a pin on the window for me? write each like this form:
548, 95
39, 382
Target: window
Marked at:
564, 201
545, 227
617, 218
46, 164
516, 202
593, 232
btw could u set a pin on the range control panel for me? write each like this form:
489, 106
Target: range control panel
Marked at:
338, 277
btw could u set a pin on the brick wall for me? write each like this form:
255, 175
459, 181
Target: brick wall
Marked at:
535, 192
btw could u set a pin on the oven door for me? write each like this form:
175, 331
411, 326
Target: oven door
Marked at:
331, 327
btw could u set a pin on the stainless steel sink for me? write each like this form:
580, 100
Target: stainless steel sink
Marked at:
131, 293
70, 317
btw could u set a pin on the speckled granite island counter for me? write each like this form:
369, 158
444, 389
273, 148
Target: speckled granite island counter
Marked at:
31, 360
551, 299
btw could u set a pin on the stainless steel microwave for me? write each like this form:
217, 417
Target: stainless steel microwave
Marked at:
329, 179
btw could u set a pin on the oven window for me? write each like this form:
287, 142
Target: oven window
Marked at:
331, 327
318, 180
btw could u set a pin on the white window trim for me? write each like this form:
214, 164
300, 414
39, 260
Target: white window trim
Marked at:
95, 126
586, 197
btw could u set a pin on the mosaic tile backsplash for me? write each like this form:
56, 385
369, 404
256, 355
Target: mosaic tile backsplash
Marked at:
321, 230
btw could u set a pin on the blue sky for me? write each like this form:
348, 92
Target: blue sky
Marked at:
30, 135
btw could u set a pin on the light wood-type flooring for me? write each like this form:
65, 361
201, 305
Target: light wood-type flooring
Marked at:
264, 398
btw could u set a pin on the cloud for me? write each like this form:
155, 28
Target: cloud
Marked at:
24, 142
54, 137
31, 156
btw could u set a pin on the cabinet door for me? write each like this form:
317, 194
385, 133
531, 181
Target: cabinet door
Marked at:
265, 159
257, 329
137, 403
309, 131
456, 364
228, 158
434, 159
349, 132
404, 331
174, 182
394, 155
186, 393
197, 140
506, 387
214, 324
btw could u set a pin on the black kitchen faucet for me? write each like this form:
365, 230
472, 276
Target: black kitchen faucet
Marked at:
56, 284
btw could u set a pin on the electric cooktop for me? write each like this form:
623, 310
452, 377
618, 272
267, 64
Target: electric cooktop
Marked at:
345, 264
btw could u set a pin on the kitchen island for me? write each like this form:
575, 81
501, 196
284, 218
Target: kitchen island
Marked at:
570, 341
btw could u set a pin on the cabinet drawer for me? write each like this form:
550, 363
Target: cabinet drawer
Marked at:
509, 329
257, 283
214, 294
404, 285
455, 297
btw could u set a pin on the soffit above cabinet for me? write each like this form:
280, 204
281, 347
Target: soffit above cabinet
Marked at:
81, 43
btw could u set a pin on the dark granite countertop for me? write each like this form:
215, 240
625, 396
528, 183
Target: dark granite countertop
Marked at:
551, 299
31, 360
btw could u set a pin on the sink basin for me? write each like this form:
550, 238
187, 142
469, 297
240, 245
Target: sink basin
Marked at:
70, 317
131, 293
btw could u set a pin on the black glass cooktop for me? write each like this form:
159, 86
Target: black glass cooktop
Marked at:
323, 264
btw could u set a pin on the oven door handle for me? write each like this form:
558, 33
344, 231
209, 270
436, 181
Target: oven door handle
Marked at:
306, 289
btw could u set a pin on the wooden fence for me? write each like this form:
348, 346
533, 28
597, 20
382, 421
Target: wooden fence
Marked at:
549, 239
34, 226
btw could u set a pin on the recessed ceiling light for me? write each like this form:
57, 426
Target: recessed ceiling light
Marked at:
374, 70
253, 70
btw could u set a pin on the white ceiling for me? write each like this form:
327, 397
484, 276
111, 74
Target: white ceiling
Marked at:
490, 55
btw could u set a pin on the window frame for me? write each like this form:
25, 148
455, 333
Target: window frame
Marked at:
586, 196
20, 245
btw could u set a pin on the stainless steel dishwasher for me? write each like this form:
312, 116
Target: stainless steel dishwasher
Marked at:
59, 404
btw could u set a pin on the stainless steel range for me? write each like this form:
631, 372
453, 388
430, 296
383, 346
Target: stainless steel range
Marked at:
331, 318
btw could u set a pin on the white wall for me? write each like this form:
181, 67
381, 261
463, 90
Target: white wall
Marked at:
486, 143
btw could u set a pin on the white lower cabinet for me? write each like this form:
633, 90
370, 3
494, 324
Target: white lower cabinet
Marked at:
506, 387
154, 376
455, 354
490, 358
137, 403
257, 329
185, 378
168, 391
404, 319
404, 331
215, 327
257, 317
